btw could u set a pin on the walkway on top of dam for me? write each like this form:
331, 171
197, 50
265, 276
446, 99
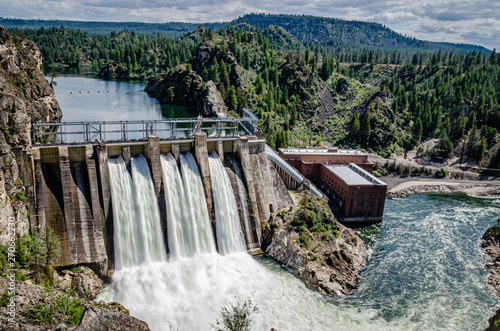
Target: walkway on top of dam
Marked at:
116, 131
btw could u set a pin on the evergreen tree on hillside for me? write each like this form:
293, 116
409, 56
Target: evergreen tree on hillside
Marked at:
417, 131
365, 127
355, 126
231, 99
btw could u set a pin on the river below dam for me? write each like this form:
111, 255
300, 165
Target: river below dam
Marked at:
425, 269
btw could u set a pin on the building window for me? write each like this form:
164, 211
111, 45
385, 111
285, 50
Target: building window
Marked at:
370, 203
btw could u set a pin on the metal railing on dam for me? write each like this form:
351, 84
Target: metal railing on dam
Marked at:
107, 131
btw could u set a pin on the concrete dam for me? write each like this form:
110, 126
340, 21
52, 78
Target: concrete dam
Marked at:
155, 199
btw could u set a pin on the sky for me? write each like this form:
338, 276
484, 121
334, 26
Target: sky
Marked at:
458, 21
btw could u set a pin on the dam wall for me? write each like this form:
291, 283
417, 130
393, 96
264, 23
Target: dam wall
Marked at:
68, 188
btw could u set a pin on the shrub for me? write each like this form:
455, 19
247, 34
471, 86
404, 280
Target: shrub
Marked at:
442, 173
235, 318
5, 298
303, 240
56, 309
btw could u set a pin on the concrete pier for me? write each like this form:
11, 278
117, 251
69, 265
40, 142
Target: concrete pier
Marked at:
244, 154
153, 157
126, 157
105, 198
219, 148
100, 249
68, 208
201, 156
39, 187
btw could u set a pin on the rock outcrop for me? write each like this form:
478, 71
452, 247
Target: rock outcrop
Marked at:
84, 281
182, 86
494, 322
328, 264
25, 97
105, 319
491, 244
97, 315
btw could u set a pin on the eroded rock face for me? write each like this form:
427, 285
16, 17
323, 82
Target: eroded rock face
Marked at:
25, 96
330, 268
85, 282
182, 86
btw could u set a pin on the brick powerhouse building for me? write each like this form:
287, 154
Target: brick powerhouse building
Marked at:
361, 195
345, 175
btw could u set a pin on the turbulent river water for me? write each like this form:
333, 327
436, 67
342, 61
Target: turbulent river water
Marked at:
425, 269
425, 272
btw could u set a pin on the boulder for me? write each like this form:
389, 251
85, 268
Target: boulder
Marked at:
96, 319
85, 282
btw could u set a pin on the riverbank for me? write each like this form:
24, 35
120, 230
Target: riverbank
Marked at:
491, 243
403, 186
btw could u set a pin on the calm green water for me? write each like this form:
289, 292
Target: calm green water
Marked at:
85, 98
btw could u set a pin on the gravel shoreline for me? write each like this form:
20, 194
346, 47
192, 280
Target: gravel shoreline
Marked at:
400, 187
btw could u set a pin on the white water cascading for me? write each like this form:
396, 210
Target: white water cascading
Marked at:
138, 237
229, 235
189, 231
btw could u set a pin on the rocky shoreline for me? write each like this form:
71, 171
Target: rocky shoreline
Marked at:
328, 263
418, 187
491, 244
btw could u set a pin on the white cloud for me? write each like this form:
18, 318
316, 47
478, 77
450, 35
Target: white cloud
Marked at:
464, 21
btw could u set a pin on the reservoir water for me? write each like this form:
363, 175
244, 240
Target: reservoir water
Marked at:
425, 269
105, 100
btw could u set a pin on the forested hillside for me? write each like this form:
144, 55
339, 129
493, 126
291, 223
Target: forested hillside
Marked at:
383, 99
170, 29
343, 35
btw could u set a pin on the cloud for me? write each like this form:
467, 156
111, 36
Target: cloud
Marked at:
464, 21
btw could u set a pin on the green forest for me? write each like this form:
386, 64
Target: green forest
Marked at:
312, 80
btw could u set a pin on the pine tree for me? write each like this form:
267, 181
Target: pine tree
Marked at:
355, 126
417, 131
231, 99
471, 141
365, 128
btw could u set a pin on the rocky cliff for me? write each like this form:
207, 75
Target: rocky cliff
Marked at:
323, 253
182, 86
25, 96
491, 244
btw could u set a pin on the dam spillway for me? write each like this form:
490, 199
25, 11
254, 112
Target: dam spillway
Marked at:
75, 191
